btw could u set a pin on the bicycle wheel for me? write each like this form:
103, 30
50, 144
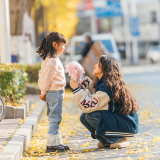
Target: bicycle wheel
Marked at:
2, 108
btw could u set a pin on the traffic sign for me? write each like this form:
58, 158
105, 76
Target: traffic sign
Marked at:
134, 26
111, 9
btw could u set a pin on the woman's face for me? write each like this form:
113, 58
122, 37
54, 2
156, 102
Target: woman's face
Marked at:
98, 70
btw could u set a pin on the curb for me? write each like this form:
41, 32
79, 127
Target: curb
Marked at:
13, 112
30, 89
140, 69
19, 142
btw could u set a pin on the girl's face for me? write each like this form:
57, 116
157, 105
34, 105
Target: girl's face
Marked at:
98, 70
59, 47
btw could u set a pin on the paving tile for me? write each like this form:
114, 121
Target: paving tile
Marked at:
7, 128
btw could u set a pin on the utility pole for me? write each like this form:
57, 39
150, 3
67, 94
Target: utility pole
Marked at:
126, 20
93, 23
135, 55
5, 32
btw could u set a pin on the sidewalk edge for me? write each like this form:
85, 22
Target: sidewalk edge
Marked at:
19, 142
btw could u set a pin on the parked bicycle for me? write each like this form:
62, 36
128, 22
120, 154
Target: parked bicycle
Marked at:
2, 109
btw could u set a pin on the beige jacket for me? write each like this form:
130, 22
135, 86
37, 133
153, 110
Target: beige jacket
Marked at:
51, 75
89, 103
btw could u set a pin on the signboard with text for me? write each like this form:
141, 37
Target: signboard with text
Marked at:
112, 8
88, 5
134, 26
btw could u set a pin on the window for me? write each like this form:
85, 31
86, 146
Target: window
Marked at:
108, 45
156, 48
79, 47
153, 17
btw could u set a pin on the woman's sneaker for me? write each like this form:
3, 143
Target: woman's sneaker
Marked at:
123, 143
100, 145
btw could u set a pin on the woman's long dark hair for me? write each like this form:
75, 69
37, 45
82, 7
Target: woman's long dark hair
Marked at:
114, 79
46, 48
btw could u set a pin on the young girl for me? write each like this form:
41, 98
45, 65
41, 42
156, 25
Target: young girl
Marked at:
51, 83
111, 113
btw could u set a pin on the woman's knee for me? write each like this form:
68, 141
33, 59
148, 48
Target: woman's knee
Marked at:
93, 115
82, 118
93, 118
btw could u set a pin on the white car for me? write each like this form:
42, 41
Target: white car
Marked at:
75, 46
154, 54
76, 43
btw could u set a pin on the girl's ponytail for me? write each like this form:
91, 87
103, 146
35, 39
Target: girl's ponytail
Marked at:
43, 49
46, 48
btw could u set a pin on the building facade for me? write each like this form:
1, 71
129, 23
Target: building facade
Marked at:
148, 14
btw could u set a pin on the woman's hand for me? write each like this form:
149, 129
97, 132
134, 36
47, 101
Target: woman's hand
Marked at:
43, 97
73, 83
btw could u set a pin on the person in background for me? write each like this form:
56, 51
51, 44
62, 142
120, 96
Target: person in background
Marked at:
89, 43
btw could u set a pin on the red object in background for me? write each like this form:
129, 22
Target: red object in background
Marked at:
88, 5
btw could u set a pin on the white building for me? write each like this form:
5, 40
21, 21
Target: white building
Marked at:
149, 26
148, 12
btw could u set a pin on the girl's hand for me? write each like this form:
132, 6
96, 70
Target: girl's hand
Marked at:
43, 97
73, 83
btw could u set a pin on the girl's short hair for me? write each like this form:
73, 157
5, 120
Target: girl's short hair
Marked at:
46, 48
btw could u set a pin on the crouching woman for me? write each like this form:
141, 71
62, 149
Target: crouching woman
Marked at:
110, 114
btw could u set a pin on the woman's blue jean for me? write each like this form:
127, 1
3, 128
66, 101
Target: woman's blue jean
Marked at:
90, 121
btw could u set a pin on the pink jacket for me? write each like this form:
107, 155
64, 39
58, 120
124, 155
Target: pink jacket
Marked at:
51, 75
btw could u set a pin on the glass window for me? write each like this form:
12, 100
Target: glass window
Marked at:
108, 45
79, 47
156, 48
153, 17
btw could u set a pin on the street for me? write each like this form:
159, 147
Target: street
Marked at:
145, 145
38, 41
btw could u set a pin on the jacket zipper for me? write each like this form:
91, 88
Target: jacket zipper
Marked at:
113, 106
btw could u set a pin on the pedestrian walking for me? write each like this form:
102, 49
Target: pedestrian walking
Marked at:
51, 83
110, 114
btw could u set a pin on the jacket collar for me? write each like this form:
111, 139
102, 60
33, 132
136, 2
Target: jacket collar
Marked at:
100, 82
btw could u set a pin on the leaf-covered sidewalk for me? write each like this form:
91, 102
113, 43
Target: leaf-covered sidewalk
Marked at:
145, 145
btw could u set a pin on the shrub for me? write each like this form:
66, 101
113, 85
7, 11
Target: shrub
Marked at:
33, 71
12, 82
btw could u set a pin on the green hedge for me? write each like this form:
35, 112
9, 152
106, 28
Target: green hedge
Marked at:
12, 82
33, 71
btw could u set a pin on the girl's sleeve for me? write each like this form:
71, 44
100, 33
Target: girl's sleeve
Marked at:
46, 78
90, 103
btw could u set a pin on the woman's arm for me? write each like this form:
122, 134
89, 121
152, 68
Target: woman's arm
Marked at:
90, 103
